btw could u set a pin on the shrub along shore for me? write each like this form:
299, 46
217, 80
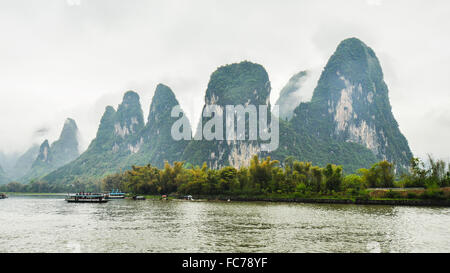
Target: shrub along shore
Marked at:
332, 200
293, 181
268, 180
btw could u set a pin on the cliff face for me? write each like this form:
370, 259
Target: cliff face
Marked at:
128, 123
66, 148
248, 84
351, 104
117, 138
158, 144
123, 139
243, 84
348, 122
59, 153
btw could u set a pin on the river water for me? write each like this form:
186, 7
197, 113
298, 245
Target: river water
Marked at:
49, 224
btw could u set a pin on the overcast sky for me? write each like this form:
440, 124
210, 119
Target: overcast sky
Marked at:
71, 58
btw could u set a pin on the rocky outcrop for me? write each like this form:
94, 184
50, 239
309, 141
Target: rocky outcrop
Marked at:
59, 153
243, 84
351, 104
157, 144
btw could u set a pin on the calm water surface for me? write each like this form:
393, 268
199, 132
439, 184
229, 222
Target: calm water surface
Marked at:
49, 224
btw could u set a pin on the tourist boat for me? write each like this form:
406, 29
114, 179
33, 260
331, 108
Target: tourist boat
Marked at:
3, 196
115, 194
86, 198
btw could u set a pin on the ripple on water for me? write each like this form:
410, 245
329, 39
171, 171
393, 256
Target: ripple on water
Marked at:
48, 224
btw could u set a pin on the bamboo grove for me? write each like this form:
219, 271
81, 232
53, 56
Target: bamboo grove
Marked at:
267, 176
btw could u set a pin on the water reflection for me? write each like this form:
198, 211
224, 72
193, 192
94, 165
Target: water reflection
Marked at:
48, 224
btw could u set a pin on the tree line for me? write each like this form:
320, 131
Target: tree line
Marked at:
267, 176
262, 176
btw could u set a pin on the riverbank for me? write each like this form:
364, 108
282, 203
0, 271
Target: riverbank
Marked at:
48, 224
284, 198
35, 194
393, 197
354, 201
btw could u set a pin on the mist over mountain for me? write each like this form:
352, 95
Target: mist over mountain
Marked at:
351, 104
3, 178
23, 164
8, 161
157, 144
290, 95
16, 165
117, 137
59, 153
123, 139
348, 122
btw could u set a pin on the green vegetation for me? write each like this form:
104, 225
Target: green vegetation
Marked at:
123, 140
351, 97
436, 175
158, 145
266, 178
347, 123
108, 152
243, 83
59, 153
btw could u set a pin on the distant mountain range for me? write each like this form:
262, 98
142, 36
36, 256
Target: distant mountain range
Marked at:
348, 122
3, 178
38, 161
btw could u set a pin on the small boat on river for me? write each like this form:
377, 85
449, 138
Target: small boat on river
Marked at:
188, 197
115, 194
86, 198
3, 196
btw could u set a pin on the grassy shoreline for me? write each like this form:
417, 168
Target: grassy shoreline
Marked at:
292, 198
331, 200
34, 193
372, 198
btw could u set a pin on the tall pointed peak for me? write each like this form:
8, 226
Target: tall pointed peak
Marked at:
109, 111
130, 96
44, 144
44, 152
239, 83
163, 92
162, 103
129, 116
107, 122
159, 118
70, 122
353, 98
130, 106
353, 49
70, 129
352, 42
66, 147
354, 61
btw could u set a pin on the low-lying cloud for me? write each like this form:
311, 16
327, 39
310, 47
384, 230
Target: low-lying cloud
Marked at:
72, 58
